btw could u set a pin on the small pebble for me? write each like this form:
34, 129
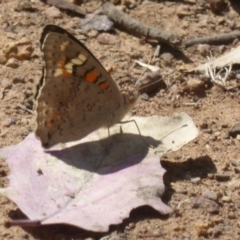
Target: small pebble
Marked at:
12, 62
222, 177
195, 84
174, 89
210, 175
224, 125
217, 219
167, 58
205, 203
222, 48
217, 5
225, 136
217, 133
53, 12
93, 34
10, 121
96, 22
157, 232
149, 82
204, 125
237, 169
210, 195
179, 228
144, 97
28, 93
226, 199
181, 190
235, 130
6, 83
195, 180
25, 52
29, 102
202, 228
234, 185
106, 38
132, 225
25, 6
231, 215
237, 75
235, 162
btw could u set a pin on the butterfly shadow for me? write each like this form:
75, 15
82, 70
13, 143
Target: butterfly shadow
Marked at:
107, 155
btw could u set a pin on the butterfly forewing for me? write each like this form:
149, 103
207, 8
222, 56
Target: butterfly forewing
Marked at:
77, 95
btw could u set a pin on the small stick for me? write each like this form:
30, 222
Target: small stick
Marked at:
180, 203
192, 104
137, 28
66, 5
25, 108
217, 39
23, 223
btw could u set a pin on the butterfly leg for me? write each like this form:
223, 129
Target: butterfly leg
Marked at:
132, 120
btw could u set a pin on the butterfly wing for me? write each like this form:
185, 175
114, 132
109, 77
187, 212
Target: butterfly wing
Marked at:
76, 94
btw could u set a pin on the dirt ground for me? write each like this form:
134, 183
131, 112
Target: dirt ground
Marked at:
203, 173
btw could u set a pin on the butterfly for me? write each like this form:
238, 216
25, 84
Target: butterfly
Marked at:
76, 95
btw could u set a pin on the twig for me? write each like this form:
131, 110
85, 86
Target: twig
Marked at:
217, 39
180, 203
25, 108
22, 223
65, 5
192, 104
137, 28
216, 77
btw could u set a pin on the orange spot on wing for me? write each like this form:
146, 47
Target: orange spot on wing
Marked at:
92, 76
104, 85
66, 73
61, 63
